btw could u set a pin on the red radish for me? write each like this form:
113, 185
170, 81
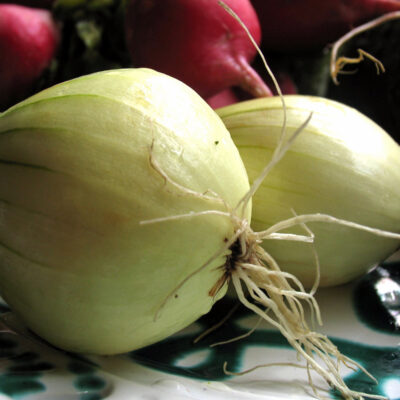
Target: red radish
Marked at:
28, 42
196, 41
286, 83
308, 24
230, 96
222, 99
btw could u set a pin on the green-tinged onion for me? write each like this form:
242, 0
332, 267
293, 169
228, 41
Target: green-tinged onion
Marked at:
82, 164
341, 164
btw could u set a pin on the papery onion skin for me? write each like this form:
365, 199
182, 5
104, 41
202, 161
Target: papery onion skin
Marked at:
342, 164
75, 182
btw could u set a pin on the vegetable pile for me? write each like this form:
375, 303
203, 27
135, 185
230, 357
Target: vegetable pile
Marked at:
128, 204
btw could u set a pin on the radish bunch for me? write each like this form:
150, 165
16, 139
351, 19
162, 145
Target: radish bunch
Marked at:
197, 42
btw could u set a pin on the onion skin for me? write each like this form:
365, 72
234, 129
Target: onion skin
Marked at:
342, 164
75, 182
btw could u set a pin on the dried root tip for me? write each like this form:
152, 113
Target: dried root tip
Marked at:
281, 305
337, 64
341, 62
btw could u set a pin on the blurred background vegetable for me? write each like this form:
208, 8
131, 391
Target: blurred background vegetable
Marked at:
92, 37
28, 43
295, 37
31, 3
309, 24
197, 42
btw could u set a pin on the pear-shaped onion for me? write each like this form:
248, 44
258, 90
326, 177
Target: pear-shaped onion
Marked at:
341, 164
82, 165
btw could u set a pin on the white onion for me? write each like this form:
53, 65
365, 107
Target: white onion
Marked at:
341, 164
75, 183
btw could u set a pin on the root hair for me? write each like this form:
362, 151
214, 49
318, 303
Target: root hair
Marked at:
338, 63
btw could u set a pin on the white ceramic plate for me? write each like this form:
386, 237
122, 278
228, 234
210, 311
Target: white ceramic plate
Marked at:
177, 369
